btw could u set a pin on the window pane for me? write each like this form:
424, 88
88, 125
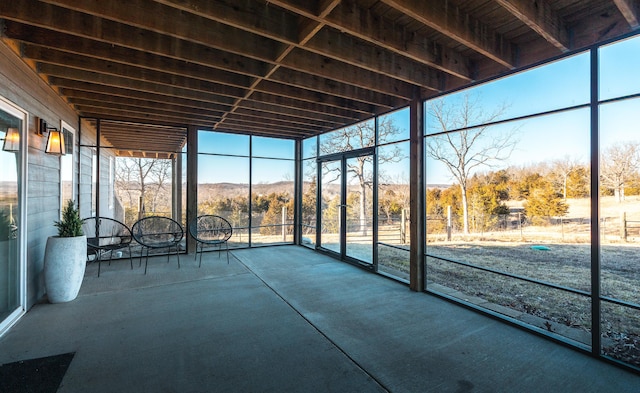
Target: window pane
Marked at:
393, 209
223, 143
619, 65
394, 126
272, 147
10, 176
272, 201
330, 225
557, 85
67, 178
310, 147
620, 226
548, 309
225, 193
349, 138
143, 187
309, 206
519, 204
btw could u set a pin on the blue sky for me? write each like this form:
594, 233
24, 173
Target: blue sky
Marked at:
558, 85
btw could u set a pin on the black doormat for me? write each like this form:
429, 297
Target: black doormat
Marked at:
41, 375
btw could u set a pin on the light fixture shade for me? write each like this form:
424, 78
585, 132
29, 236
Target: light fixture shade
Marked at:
55, 143
11, 140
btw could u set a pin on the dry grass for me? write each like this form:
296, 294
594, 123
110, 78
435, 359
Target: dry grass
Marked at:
565, 265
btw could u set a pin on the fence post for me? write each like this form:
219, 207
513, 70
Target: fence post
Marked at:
520, 224
403, 228
140, 208
623, 226
449, 223
284, 222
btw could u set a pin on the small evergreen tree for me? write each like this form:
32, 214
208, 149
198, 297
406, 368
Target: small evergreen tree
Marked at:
71, 224
544, 203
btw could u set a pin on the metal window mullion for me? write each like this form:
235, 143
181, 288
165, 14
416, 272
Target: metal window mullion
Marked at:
595, 208
318, 203
250, 204
343, 207
374, 195
98, 171
297, 194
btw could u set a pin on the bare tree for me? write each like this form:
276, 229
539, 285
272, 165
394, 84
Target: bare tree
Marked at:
618, 164
463, 151
136, 176
562, 168
359, 136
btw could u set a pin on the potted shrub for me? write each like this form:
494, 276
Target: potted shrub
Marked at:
65, 257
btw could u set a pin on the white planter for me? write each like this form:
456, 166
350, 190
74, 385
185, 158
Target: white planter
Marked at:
65, 259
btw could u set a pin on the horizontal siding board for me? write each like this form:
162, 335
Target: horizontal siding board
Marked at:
23, 87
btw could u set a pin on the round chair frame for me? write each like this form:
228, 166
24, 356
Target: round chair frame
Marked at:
210, 230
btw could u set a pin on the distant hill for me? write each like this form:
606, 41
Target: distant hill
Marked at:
215, 190
240, 189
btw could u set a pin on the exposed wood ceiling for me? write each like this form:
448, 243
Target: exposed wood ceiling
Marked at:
285, 68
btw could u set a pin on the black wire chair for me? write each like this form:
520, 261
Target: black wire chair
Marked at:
106, 235
210, 230
158, 232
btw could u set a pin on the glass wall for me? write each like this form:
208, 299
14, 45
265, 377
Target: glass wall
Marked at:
309, 191
507, 197
393, 194
272, 190
124, 183
510, 214
376, 179
12, 122
257, 195
619, 200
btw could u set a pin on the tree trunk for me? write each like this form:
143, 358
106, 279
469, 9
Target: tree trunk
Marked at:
363, 212
465, 210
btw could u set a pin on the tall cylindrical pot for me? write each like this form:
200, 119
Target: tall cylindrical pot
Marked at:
65, 260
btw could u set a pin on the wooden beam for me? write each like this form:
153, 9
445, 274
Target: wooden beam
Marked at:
449, 20
541, 18
145, 14
258, 115
194, 28
98, 67
271, 26
186, 80
73, 27
191, 91
299, 112
310, 96
329, 68
346, 114
144, 107
363, 54
383, 33
117, 95
150, 116
48, 40
629, 9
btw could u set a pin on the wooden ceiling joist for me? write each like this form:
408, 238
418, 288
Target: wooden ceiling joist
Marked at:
282, 68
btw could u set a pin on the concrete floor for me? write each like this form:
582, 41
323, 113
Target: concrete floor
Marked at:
287, 319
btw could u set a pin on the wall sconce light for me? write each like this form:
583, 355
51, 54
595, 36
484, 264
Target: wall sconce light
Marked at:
55, 140
11, 140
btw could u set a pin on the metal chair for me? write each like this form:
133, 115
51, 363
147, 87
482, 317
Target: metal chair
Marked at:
210, 230
106, 235
158, 232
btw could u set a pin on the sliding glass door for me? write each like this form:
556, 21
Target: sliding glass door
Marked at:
11, 268
346, 213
